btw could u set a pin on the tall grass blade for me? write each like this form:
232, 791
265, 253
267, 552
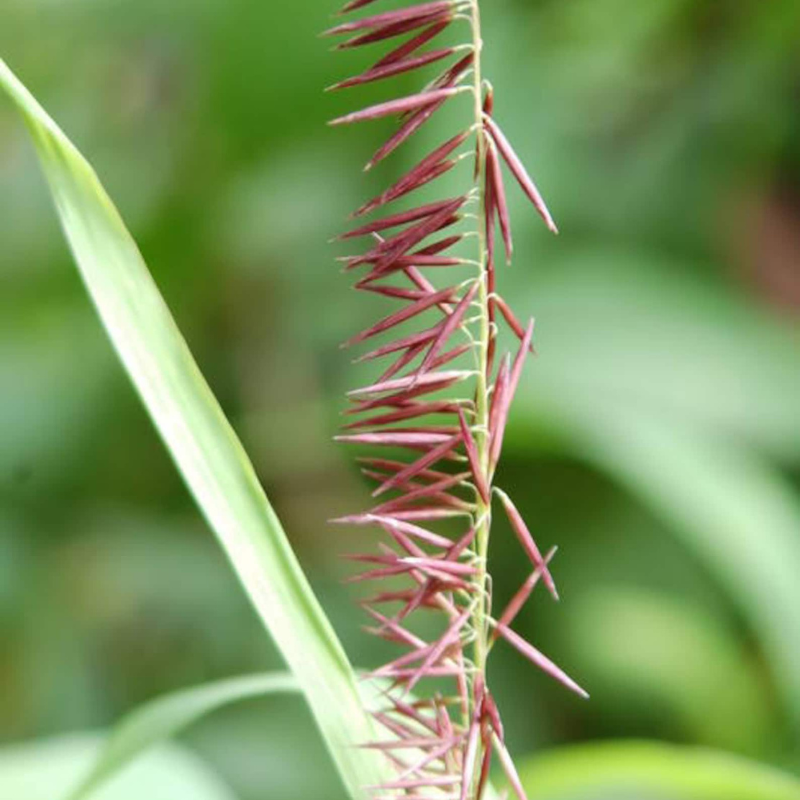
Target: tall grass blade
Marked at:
200, 440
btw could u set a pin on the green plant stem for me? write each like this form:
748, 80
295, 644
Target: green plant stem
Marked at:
481, 422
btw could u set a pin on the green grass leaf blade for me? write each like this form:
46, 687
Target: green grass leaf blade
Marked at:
167, 716
636, 770
200, 440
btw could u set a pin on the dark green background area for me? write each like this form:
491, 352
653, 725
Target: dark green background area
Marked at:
656, 439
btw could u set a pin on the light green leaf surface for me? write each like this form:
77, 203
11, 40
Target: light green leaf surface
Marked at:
165, 717
676, 391
200, 440
44, 770
155, 722
731, 507
651, 771
673, 662
726, 503
621, 329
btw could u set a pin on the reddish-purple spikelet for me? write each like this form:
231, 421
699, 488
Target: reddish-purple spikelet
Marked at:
498, 396
392, 439
428, 513
449, 636
393, 627
527, 541
511, 319
428, 386
437, 379
388, 251
490, 212
521, 597
450, 355
401, 363
412, 411
412, 45
439, 565
391, 17
494, 715
392, 466
401, 243
385, 32
407, 342
448, 328
509, 769
520, 173
401, 316
413, 178
430, 458
505, 397
392, 69
462, 544
486, 763
522, 354
447, 84
451, 76
405, 262
541, 661
441, 404
387, 109
499, 197
488, 101
408, 264
396, 292
474, 458
470, 752
401, 218
440, 246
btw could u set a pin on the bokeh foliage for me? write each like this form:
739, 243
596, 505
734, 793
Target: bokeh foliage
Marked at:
658, 440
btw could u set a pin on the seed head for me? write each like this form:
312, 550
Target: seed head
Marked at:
442, 405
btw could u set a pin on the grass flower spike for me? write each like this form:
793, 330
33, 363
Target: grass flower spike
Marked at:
442, 399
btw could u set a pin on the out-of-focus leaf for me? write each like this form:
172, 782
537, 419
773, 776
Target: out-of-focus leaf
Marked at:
43, 770
35, 362
617, 335
668, 388
671, 661
167, 716
201, 441
652, 771
727, 504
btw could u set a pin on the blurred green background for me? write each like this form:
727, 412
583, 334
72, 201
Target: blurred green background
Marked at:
656, 439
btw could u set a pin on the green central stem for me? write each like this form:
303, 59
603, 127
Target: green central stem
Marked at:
481, 421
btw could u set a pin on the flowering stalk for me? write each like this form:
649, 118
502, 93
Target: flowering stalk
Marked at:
444, 401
